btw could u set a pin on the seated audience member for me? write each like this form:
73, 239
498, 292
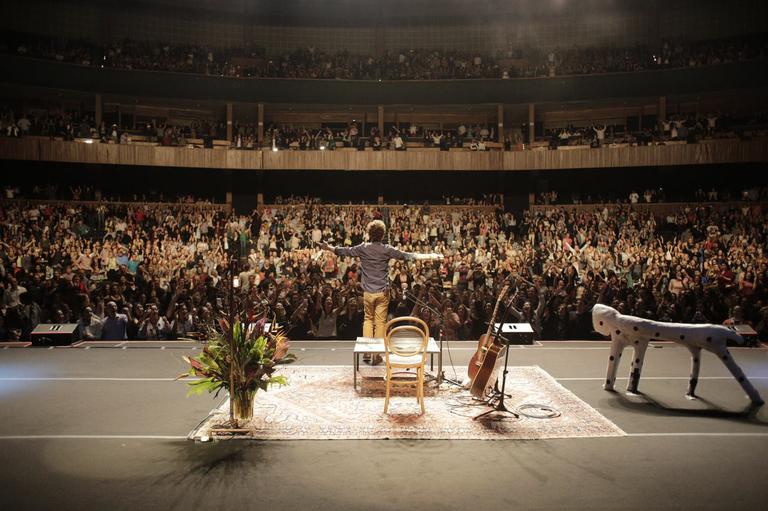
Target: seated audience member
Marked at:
114, 326
89, 325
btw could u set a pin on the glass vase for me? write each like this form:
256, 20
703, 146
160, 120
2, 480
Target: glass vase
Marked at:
242, 404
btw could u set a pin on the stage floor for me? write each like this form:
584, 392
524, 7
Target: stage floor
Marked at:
106, 427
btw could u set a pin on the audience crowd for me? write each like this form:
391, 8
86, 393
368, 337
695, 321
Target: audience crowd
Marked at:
485, 199
56, 122
406, 64
53, 192
654, 195
161, 271
393, 138
680, 128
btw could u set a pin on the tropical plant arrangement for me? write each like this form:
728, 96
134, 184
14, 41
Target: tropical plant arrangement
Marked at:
241, 367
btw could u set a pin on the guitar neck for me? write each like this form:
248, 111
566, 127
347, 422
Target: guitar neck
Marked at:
502, 294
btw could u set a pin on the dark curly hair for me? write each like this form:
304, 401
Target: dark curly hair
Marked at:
376, 230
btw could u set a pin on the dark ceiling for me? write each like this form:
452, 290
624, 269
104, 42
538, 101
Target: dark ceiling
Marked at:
373, 12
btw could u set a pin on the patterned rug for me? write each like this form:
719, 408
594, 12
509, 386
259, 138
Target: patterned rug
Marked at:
320, 403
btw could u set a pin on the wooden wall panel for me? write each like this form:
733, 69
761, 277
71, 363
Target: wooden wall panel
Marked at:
650, 156
35, 149
26, 149
382, 160
243, 159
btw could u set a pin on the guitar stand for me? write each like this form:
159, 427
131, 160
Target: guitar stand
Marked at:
453, 382
497, 391
441, 378
499, 411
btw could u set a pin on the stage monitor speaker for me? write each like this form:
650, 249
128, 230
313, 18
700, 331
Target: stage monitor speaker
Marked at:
516, 333
54, 334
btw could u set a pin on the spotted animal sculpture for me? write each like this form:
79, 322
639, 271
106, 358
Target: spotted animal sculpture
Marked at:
638, 332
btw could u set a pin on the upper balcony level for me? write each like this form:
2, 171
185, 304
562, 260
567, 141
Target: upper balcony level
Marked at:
739, 76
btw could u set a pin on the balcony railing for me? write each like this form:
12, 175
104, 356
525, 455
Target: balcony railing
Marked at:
712, 152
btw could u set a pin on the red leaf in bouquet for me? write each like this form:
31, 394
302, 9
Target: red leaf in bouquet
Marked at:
197, 366
259, 327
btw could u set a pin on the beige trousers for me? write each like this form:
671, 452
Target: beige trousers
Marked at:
375, 307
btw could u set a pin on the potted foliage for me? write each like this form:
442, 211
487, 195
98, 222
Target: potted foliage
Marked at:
246, 364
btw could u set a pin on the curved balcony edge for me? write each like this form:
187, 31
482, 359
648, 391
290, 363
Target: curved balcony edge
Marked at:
160, 84
714, 152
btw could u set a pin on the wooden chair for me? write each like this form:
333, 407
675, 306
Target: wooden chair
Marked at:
405, 347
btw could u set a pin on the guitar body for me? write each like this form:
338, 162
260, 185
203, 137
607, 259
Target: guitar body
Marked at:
486, 372
477, 357
485, 340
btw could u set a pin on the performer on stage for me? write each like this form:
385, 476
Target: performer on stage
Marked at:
374, 264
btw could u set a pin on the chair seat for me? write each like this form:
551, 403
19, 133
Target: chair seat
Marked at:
399, 360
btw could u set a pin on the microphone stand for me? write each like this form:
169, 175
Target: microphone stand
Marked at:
440, 372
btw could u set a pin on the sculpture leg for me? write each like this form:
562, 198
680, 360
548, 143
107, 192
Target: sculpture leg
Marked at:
737, 373
695, 367
637, 366
613, 363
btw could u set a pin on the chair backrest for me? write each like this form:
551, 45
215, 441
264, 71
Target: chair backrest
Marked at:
406, 336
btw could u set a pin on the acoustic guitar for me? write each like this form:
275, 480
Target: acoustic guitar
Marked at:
476, 362
485, 365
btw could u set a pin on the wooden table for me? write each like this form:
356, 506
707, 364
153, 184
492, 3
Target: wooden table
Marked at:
375, 346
